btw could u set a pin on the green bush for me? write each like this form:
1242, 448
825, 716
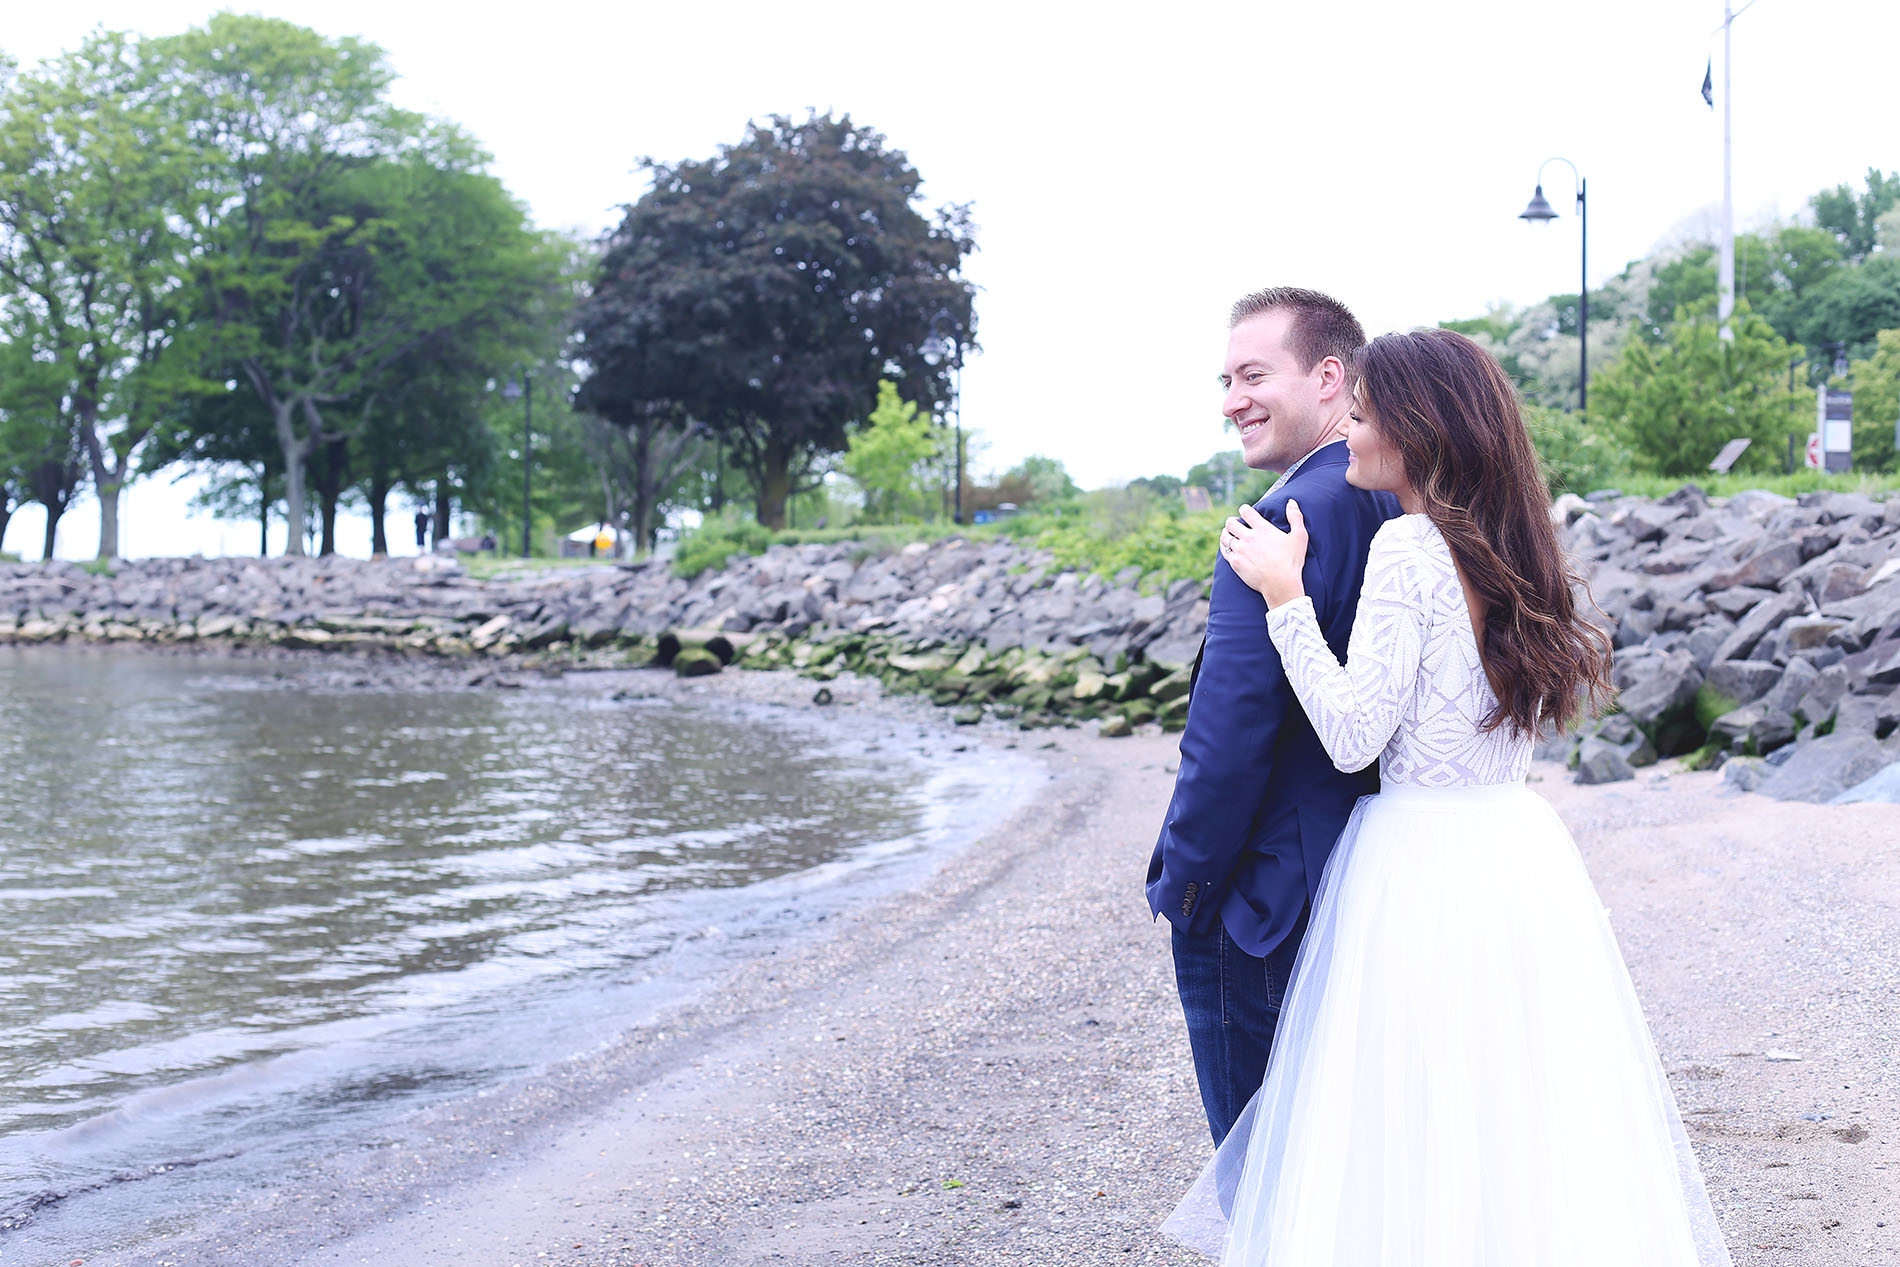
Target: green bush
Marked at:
1577, 455
718, 539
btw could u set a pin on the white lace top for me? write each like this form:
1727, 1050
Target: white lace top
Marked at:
1412, 691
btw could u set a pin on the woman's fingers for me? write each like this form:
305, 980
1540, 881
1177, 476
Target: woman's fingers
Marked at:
1295, 518
1253, 518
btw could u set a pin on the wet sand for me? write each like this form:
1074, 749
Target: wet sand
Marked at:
992, 1068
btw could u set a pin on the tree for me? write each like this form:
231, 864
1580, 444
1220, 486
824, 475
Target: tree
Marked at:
1676, 404
1853, 218
94, 245
767, 290
1877, 405
1047, 479
1850, 307
893, 455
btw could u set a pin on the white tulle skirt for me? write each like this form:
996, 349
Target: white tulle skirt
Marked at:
1462, 1075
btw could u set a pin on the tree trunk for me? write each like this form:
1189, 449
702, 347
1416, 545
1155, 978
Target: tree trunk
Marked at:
442, 508
378, 499
263, 510
775, 486
296, 453
331, 472
108, 494
109, 472
52, 532
6, 514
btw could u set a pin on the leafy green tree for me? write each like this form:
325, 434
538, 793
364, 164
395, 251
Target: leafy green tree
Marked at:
893, 456
1877, 405
1229, 480
1677, 403
1047, 479
95, 244
1853, 217
1850, 307
767, 290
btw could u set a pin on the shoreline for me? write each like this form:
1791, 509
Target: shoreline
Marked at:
707, 930
991, 1066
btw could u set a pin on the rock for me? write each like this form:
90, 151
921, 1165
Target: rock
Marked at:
1883, 786
1746, 774
1764, 569
1744, 681
1821, 770
1662, 703
1823, 696
1752, 729
1172, 687
821, 696
1565, 510
696, 662
1601, 762
1764, 616
1792, 688
968, 716
1116, 727
1733, 602
1651, 522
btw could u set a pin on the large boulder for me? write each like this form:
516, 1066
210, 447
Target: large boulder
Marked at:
1823, 769
1662, 701
1599, 761
1744, 681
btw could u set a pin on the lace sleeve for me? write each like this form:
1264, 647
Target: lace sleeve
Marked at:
1356, 707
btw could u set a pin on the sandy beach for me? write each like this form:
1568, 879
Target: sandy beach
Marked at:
992, 1068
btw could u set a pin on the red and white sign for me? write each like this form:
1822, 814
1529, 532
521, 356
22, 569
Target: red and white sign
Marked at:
1814, 450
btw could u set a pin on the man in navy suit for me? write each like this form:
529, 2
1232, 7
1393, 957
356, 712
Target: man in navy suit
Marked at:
1257, 803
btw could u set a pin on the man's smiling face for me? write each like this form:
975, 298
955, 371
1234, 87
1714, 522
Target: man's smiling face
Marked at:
1271, 398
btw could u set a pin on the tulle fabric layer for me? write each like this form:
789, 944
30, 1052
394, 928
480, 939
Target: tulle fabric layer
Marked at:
1462, 1075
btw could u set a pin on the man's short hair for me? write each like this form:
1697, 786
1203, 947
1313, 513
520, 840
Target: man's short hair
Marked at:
1321, 325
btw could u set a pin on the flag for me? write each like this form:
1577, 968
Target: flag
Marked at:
1708, 84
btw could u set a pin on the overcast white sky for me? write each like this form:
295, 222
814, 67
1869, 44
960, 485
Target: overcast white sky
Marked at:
1134, 169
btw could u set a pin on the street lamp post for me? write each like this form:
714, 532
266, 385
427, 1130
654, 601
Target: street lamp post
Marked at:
523, 391
946, 341
1539, 212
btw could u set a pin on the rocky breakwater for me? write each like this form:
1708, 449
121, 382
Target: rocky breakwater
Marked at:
987, 627
1759, 632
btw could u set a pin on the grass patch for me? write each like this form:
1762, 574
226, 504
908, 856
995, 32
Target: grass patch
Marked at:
101, 567
1878, 487
488, 567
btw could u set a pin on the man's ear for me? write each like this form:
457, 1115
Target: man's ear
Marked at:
1332, 377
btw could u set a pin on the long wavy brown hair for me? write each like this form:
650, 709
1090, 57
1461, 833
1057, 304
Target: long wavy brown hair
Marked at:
1453, 417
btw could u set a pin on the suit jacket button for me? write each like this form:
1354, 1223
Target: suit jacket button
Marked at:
1187, 900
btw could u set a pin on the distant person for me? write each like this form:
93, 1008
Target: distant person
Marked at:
489, 543
1257, 803
422, 529
1463, 1076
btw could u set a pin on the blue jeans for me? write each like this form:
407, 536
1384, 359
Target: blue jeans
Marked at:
1231, 1000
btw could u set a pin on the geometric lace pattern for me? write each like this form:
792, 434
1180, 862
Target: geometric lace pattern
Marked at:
1412, 692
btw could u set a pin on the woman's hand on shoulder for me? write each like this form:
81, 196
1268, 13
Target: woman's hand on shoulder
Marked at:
1266, 558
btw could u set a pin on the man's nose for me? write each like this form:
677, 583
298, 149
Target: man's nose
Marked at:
1235, 404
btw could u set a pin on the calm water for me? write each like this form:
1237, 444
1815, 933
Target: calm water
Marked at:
246, 908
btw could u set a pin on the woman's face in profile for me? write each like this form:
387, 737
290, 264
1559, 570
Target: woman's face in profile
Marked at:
1375, 464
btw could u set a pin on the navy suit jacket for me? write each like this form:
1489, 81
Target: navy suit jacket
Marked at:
1257, 802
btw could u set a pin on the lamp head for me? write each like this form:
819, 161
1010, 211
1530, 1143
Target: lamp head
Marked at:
1539, 211
933, 351
511, 390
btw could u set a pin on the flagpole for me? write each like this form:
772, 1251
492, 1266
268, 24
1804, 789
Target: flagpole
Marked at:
1725, 294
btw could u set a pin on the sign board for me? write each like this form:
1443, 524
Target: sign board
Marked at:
1834, 418
1726, 458
1814, 451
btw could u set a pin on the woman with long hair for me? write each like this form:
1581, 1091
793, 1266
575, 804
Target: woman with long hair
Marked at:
1463, 1076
